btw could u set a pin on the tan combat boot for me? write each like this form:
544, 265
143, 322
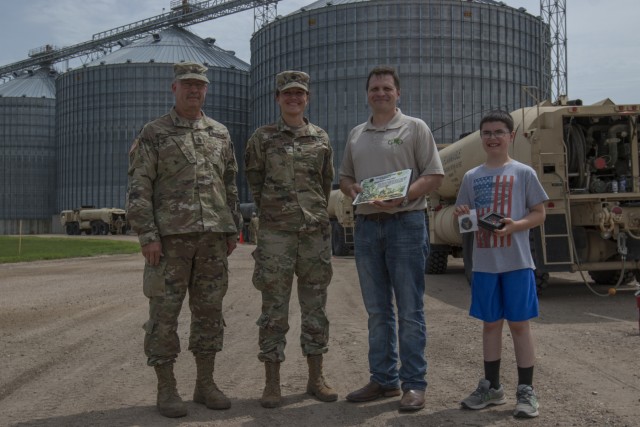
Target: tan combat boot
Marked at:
206, 391
169, 403
271, 395
317, 385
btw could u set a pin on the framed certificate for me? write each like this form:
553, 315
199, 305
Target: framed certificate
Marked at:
389, 186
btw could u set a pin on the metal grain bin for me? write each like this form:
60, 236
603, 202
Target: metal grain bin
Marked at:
456, 60
102, 107
27, 153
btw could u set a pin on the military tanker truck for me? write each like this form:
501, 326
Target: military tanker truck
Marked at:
587, 159
90, 220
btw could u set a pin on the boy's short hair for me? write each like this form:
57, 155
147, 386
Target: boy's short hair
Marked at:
498, 116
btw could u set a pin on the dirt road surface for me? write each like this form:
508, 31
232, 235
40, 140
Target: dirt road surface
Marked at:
71, 353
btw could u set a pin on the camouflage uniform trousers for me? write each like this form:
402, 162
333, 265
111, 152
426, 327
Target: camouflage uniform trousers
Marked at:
197, 263
278, 256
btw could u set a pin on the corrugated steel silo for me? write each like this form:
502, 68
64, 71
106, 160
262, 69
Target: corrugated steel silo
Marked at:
456, 60
102, 107
27, 153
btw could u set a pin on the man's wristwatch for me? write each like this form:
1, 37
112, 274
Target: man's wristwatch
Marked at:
405, 201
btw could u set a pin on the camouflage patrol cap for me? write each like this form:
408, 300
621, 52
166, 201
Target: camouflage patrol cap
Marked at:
190, 70
288, 79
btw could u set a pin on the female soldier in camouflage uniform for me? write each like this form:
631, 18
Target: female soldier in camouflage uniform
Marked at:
289, 167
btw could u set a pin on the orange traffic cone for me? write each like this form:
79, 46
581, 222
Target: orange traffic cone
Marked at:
241, 238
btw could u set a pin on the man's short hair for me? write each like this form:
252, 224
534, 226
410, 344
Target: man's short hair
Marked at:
498, 116
383, 70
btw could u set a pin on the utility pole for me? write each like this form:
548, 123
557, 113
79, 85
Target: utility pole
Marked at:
554, 14
262, 15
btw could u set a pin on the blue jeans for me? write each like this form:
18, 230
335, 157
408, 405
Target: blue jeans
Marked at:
390, 258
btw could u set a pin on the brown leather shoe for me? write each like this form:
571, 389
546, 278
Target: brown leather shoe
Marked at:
372, 391
412, 400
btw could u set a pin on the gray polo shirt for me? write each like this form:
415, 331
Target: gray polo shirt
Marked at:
403, 143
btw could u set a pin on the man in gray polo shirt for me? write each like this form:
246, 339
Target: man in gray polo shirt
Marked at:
391, 242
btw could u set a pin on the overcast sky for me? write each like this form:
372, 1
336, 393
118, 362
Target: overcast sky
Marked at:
603, 48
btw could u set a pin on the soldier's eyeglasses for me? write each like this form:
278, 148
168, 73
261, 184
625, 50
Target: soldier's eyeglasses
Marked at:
196, 85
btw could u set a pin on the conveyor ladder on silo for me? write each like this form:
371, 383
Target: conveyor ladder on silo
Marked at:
184, 15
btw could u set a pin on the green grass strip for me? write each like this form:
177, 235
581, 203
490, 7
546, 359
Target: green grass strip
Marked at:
31, 248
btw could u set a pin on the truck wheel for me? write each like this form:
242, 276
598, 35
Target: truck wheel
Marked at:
611, 277
118, 226
338, 244
246, 234
69, 229
436, 262
467, 256
542, 280
104, 228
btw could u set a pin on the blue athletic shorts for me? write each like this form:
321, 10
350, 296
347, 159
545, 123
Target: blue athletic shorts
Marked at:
511, 295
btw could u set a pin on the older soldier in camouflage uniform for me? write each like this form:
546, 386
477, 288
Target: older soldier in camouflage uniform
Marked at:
289, 167
182, 202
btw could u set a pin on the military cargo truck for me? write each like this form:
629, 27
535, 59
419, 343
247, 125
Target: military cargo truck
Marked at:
587, 159
247, 210
341, 215
90, 220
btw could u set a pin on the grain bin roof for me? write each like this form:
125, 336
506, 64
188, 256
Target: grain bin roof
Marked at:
322, 3
174, 45
31, 84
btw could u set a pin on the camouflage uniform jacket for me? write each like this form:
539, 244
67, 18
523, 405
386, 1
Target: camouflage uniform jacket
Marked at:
290, 172
182, 179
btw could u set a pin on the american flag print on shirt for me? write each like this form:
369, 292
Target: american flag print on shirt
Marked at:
493, 194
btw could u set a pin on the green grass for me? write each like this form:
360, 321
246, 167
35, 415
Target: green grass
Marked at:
39, 248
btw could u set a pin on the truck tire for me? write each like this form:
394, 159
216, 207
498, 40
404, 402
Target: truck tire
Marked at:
95, 228
436, 262
246, 235
611, 277
69, 228
338, 245
104, 228
118, 226
542, 280
542, 277
467, 256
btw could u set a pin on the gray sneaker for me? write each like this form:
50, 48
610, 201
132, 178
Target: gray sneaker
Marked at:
484, 396
527, 406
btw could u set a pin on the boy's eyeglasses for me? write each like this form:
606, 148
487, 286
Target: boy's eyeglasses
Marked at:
500, 133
